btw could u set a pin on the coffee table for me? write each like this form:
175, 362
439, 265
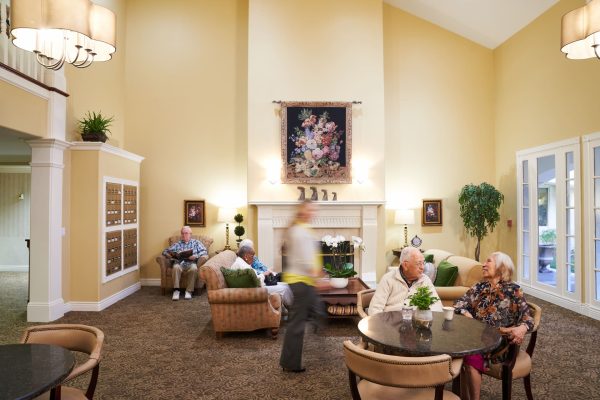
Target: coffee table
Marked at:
341, 303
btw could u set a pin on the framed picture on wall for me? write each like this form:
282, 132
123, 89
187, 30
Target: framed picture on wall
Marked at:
194, 213
432, 212
316, 142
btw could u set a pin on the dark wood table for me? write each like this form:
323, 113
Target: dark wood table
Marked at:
342, 302
28, 370
459, 337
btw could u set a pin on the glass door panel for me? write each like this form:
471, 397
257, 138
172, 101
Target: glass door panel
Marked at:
570, 221
525, 221
546, 229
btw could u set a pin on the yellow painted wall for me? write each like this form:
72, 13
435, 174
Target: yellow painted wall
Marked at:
186, 78
439, 120
541, 97
23, 111
101, 86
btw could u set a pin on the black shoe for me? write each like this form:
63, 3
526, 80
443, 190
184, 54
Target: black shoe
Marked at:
294, 370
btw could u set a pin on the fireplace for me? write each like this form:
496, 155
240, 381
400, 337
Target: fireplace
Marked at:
333, 218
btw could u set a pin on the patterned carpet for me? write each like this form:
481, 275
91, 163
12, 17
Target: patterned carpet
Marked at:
159, 349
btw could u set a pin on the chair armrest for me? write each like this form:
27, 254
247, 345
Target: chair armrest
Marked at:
164, 262
81, 369
202, 260
275, 300
238, 295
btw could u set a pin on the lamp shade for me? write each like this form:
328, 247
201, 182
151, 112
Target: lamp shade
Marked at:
404, 217
580, 31
226, 214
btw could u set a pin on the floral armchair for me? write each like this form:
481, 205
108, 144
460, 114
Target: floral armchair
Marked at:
166, 265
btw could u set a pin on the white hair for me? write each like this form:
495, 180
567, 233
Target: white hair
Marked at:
407, 252
504, 265
186, 228
247, 243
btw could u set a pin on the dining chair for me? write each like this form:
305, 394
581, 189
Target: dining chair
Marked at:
518, 362
363, 299
79, 338
395, 377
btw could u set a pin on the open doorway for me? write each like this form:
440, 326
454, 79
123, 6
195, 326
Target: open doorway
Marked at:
15, 195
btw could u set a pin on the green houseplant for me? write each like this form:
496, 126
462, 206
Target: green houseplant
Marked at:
423, 299
479, 210
94, 127
239, 230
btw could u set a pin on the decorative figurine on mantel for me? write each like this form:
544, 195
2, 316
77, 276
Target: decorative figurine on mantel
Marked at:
302, 193
314, 196
324, 194
334, 196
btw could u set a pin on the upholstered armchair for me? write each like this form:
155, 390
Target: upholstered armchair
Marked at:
166, 265
238, 309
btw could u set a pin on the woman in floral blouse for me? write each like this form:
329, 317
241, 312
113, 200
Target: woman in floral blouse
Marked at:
498, 302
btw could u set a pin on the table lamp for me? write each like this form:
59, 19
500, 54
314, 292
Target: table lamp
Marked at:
405, 217
226, 215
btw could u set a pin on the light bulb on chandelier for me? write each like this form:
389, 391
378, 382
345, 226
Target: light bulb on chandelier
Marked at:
77, 32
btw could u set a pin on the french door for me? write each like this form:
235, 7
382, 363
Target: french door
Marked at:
591, 156
548, 198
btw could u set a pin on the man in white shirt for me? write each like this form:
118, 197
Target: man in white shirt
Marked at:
396, 286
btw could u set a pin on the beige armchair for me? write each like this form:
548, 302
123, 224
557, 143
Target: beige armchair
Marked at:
238, 309
80, 338
363, 299
166, 265
395, 377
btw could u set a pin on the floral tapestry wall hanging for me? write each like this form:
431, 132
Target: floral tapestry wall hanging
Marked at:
316, 142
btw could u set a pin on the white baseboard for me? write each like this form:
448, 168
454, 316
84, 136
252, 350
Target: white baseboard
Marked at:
150, 282
575, 306
105, 303
14, 268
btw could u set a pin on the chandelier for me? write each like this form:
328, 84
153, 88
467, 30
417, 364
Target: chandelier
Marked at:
78, 32
581, 32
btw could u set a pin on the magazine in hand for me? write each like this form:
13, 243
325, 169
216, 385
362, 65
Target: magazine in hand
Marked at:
183, 254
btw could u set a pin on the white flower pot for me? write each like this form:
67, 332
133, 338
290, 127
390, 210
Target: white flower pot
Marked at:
423, 318
338, 283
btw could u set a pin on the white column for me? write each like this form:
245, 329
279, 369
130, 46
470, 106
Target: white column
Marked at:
45, 271
369, 234
266, 235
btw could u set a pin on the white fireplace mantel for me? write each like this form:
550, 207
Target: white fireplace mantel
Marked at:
351, 217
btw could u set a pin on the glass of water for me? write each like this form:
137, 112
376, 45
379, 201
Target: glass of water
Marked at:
407, 312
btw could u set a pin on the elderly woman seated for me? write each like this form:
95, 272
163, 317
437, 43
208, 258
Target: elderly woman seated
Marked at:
246, 256
500, 303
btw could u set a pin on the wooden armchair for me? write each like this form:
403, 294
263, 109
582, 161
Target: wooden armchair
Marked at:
166, 265
518, 363
80, 338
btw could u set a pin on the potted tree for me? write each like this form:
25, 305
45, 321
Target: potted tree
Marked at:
239, 230
423, 299
479, 210
94, 127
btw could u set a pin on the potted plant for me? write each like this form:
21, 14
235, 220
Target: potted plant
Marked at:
547, 250
239, 230
340, 269
479, 210
94, 127
423, 299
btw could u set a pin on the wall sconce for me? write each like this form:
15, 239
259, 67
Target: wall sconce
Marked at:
226, 215
360, 171
274, 172
78, 32
405, 217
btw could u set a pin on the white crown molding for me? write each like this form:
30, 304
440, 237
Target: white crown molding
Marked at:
106, 148
319, 203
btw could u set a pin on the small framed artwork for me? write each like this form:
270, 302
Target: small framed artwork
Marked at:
194, 213
432, 212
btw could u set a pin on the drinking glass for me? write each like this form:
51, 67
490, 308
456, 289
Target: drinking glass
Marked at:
407, 312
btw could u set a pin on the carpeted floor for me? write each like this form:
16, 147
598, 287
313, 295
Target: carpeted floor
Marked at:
159, 349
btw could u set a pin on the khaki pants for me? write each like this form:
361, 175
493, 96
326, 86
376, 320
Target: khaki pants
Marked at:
190, 274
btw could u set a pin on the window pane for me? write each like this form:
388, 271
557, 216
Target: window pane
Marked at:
526, 244
598, 285
596, 161
526, 219
526, 172
571, 279
597, 192
597, 218
570, 172
570, 221
597, 255
525, 195
526, 267
570, 193
570, 264
571, 250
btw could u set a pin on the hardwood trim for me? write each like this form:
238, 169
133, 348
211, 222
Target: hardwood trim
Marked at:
32, 80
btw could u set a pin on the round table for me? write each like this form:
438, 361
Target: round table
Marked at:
28, 370
458, 337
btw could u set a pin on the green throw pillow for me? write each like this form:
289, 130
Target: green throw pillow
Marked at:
446, 274
240, 278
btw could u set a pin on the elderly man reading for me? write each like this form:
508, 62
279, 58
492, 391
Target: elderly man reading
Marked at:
396, 286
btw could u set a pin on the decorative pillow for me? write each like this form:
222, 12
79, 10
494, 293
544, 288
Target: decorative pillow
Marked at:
446, 274
240, 278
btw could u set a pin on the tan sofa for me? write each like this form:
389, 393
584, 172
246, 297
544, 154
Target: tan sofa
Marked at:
469, 273
237, 309
166, 266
